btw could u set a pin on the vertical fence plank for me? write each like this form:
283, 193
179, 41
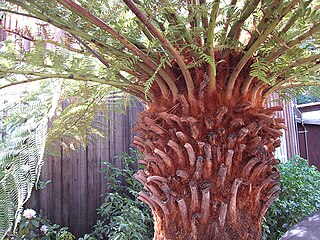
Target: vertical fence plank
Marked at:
55, 185
92, 191
74, 194
66, 173
83, 186
104, 157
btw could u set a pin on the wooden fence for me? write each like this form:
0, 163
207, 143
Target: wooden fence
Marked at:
74, 194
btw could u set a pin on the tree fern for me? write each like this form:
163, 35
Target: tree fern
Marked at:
25, 125
127, 47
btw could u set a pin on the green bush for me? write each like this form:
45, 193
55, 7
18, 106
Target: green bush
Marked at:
124, 216
33, 226
300, 196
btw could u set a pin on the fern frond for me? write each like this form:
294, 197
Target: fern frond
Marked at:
22, 151
203, 56
20, 172
150, 81
260, 69
76, 116
196, 64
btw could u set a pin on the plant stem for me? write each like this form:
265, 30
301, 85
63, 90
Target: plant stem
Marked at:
298, 62
254, 47
246, 12
293, 19
210, 46
167, 45
93, 52
279, 51
290, 81
69, 77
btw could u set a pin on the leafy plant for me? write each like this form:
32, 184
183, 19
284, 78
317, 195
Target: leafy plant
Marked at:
21, 158
310, 95
300, 196
124, 216
25, 137
35, 226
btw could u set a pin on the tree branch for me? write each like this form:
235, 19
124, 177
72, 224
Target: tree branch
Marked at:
268, 11
290, 81
298, 84
293, 19
145, 31
167, 45
69, 77
64, 26
150, 13
49, 41
246, 12
246, 84
298, 62
61, 45
78, 9
92, 51
298, 40
210, 45
257, 89
18, 34
164, 89
177, 21
193, 20
254, 47
18, 13
228, 19
204, 17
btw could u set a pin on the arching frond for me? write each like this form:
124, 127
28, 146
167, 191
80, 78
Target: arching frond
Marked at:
21, 159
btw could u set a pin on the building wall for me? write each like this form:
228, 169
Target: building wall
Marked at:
309, 141
309, 134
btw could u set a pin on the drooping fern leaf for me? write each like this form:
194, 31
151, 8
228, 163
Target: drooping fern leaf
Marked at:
203, 56
260, 69
149, 82
21, 149
20, 164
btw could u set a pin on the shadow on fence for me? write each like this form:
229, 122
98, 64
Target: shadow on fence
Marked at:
74, 194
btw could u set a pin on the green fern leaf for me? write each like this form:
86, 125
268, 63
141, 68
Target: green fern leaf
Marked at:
259, 69
149, 82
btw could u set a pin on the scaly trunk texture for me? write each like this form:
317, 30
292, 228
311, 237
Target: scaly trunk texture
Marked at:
209, 170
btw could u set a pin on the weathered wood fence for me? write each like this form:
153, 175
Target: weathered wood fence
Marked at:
74, 194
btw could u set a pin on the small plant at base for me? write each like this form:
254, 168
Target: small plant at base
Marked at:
300, 196
124, 216
35, 226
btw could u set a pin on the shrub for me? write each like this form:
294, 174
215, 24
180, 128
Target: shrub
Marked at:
33, 226
124, 216
300, 196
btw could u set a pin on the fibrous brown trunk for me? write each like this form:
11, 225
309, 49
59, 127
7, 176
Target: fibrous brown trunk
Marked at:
209, 171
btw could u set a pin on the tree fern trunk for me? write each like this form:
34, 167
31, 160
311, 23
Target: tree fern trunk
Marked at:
209, 168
